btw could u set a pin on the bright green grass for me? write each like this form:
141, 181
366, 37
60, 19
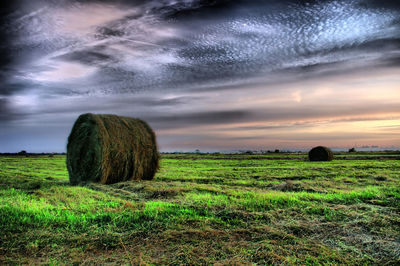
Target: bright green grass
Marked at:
204, 209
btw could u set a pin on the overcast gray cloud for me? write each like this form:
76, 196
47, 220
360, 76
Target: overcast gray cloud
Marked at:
193, 63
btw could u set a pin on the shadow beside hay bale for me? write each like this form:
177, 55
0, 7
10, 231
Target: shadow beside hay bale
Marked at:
320, 153
110, 149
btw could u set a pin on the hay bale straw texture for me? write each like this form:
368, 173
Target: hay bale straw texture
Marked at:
320, 153
108, 149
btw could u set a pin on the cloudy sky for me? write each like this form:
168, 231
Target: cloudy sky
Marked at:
213, 75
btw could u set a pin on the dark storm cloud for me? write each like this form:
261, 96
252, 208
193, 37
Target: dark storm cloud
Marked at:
272, 114
5, 49
3, 106
263, 128
380, 44
390, 4
298, 125
393, 61
201, 118
6, 112
8, 88
91, 56
323, 117
316, 111
127, 105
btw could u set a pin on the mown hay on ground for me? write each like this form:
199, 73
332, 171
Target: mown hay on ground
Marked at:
109, 149
320, 153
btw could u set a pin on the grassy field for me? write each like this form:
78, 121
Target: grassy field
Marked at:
206, 209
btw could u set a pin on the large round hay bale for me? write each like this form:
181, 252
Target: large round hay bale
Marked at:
109, 149
320, 153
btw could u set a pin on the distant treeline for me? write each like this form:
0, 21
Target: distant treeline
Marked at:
24, 153
281, 152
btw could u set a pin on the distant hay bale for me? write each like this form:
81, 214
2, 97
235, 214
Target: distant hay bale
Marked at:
109, 149
352, 150
320, 153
